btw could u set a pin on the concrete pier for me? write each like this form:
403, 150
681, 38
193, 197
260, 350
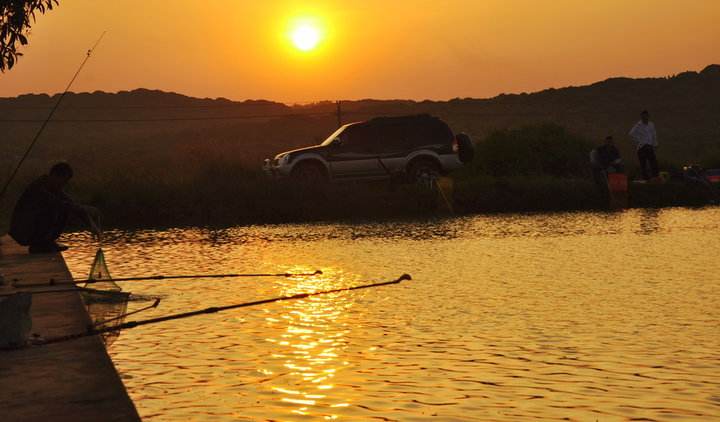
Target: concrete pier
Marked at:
70, 381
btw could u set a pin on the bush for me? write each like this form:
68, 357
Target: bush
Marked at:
546, 149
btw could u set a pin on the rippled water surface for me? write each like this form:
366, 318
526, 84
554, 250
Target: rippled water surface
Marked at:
578, 316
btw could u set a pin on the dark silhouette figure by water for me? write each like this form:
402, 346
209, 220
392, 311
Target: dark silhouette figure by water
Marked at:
43, 210
605, 159
645, 138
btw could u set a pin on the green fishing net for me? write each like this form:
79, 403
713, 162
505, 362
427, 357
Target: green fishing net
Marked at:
99, 269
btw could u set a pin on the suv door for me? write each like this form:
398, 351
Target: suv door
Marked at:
353, 156
392, 147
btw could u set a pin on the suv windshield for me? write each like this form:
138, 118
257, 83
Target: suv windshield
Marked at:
335, 135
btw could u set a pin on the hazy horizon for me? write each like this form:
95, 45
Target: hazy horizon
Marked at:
291, 103
465, 49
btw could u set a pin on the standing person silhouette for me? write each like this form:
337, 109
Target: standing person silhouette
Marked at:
645, 138
43, 210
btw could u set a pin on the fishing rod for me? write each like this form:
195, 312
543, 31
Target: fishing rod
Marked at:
125, 315
47, 120
53, 282
72, 289
91, 331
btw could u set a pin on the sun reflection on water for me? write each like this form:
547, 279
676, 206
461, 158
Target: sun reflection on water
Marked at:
309, 347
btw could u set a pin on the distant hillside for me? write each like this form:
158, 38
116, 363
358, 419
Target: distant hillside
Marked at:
156, 133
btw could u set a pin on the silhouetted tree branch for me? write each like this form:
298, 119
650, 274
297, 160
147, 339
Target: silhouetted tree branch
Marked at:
16, 16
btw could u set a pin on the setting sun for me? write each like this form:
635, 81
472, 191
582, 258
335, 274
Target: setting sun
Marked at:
305, 37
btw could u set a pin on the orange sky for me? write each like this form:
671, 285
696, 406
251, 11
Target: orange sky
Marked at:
417, 49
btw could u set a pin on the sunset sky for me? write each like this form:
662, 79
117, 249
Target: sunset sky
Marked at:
362, 49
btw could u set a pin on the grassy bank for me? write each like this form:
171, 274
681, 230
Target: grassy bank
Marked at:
534, 168
253, 199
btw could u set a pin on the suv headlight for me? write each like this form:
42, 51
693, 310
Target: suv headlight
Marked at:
282, 159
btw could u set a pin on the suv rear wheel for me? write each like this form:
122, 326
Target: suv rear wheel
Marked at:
424, 171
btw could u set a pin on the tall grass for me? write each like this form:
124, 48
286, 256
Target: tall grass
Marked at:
230, 195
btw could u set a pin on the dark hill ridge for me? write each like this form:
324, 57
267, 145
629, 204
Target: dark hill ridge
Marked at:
156, 131
138, 104
137, 97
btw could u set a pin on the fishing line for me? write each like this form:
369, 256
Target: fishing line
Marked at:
444, 197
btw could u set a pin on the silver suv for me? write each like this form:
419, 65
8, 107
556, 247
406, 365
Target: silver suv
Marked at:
412, 147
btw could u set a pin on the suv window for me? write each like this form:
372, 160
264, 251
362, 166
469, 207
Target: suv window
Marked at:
428, 131
401, 134
393, 138
361, 138
390, 135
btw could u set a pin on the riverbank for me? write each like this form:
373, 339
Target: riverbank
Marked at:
253, 199
66, 381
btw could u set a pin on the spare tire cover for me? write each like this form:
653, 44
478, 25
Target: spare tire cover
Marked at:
466, 149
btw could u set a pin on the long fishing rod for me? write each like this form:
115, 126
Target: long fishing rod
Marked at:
53, 282
72, 289
215, 309
47, 120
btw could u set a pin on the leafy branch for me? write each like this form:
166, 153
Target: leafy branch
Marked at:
16, 17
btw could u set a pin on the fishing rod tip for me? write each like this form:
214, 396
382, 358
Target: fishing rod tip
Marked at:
405, 277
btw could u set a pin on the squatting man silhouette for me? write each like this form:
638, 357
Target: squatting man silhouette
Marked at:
43, 210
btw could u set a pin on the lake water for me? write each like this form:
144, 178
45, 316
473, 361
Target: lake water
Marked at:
573, 316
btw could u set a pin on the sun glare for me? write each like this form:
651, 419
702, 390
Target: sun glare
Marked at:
305, 37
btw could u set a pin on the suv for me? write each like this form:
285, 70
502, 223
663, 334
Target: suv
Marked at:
381, 148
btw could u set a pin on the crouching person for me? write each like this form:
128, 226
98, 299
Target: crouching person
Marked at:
606, 167
605, 159
43, 210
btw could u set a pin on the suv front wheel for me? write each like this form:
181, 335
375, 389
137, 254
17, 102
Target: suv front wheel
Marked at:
309, 172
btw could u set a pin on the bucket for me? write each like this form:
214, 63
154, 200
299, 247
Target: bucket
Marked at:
617, 182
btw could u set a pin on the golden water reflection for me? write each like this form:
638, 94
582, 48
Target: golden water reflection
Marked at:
312, 335
568, 316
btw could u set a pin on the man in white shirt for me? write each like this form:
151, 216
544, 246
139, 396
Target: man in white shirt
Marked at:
645, 138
